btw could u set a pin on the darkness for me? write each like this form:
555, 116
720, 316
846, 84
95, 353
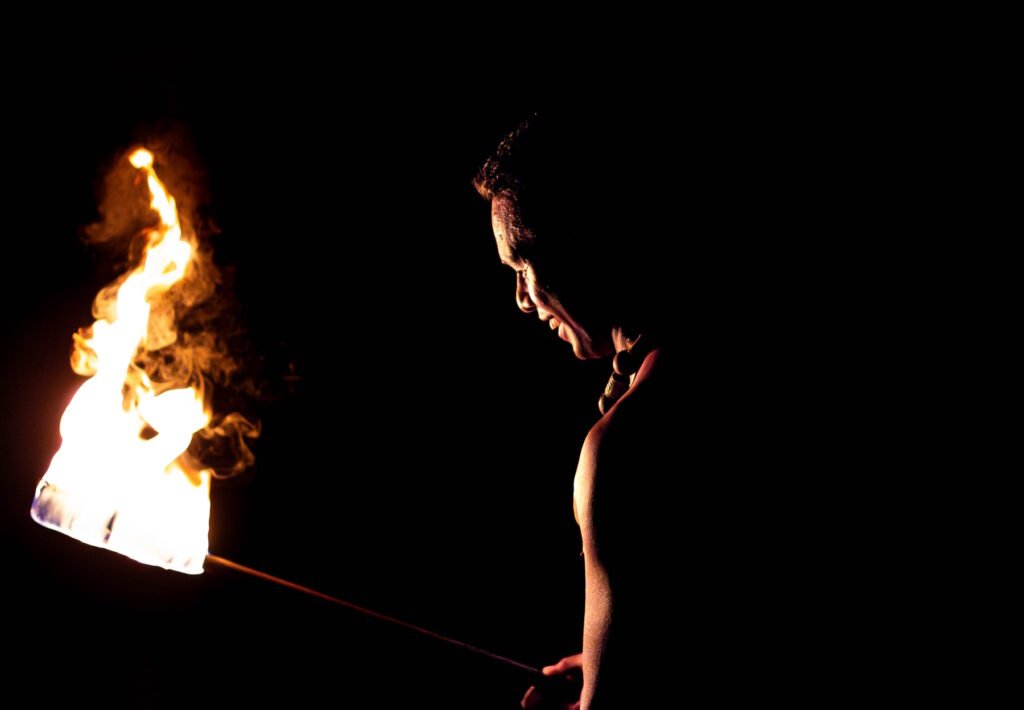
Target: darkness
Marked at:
422, 465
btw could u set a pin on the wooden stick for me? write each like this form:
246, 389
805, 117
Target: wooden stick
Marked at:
376, 615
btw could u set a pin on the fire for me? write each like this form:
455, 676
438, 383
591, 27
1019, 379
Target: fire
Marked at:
121, 479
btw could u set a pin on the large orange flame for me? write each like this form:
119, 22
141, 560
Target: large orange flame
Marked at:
120, 479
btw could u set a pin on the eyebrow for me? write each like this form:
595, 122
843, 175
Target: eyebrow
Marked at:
518, 263
515, 257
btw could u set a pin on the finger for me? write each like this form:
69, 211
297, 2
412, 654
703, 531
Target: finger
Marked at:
555, 669
566, 664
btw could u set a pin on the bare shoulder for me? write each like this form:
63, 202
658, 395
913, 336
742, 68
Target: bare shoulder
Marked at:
614, 439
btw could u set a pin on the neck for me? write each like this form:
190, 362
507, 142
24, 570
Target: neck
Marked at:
649, 362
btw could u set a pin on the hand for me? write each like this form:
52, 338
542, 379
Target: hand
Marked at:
563, 693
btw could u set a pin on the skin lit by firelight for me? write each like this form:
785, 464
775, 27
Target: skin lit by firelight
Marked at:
589, 340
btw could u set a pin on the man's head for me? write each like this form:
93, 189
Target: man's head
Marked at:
589, 337
697, 224
556, 215
687, 224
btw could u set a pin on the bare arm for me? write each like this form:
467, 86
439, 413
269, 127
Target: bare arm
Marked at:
599, 601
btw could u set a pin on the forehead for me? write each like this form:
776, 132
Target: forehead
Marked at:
509, 232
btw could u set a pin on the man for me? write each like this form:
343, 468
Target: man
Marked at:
586, 218
775, 501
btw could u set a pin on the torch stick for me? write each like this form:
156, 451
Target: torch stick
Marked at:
535, 672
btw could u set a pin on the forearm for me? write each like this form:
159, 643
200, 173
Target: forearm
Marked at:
596, 625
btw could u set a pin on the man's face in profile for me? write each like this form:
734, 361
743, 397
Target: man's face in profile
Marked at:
511, 235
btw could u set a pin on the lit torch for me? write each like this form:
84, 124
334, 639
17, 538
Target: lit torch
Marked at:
121, 478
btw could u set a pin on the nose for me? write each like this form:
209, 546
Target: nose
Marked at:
523, 299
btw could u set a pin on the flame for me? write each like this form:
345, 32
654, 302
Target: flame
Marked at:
121, 479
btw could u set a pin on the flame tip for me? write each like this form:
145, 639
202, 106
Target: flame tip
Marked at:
141, 158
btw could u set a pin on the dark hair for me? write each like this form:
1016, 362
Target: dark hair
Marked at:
502, 171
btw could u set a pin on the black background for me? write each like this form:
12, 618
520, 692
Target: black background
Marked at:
423, 466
